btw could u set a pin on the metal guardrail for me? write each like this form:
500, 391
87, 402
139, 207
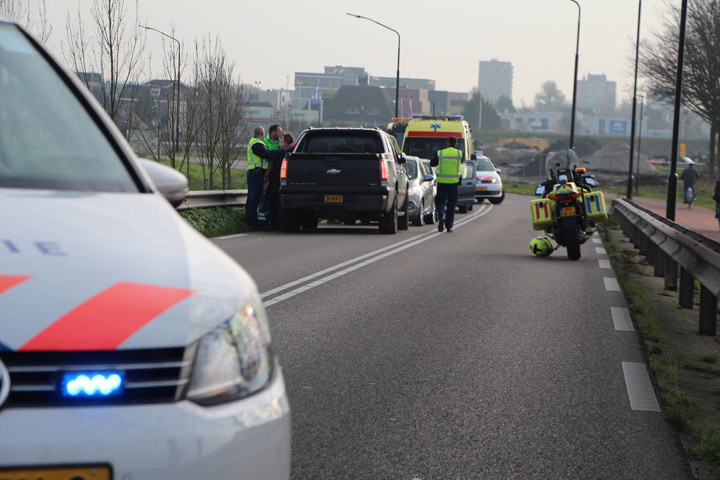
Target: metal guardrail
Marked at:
214, 198
668, 246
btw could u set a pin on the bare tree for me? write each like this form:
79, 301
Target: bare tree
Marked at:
220, 112
113, 49
701, 69
17, 10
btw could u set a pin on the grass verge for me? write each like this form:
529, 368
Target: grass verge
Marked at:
673, 361
216, 222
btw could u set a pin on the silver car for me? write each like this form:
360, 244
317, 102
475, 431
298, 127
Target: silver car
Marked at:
488, 184
421, 192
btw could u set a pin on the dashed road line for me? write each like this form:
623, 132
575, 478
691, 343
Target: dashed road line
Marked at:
621, 319
228, 237
600, 251
639, 387
604, 264
611, 284
596, 240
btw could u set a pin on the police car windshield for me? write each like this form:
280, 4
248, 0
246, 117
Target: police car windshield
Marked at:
427, 147
485, 165
47, 138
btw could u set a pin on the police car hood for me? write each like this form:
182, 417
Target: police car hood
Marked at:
106, 271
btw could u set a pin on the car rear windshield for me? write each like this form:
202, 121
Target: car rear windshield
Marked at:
340, 142
48, 140
427, 147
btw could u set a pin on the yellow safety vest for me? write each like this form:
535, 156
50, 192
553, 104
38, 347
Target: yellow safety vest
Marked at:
270, 144
449, 168
253, 160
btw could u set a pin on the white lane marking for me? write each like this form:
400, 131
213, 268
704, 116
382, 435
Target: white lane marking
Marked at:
611, 284
596, 240
227, 237
639, 387
621, 319
605, 264
398, 247
600, 251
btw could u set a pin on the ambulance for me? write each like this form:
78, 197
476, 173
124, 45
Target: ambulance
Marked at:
131, 348
425, 135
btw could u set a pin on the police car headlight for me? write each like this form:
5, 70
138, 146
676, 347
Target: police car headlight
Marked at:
494, 180
234, 360
412, 191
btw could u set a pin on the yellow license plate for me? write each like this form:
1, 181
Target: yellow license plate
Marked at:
567, 212
333, 198
64, 473
480, 189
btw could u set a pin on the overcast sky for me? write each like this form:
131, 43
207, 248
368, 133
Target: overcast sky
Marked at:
442, 40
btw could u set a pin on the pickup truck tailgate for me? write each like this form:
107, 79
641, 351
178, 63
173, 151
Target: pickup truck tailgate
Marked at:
346, 171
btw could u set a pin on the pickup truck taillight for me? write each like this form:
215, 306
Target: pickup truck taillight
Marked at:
383, 171
283, 170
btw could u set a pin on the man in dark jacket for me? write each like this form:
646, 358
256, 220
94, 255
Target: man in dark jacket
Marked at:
689, 177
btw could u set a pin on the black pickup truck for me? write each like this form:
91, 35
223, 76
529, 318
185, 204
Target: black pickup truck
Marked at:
344, 174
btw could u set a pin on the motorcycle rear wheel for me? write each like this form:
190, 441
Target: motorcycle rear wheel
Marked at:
572, 243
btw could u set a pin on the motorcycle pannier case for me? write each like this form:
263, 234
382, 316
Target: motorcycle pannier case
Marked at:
542, 213
595, 207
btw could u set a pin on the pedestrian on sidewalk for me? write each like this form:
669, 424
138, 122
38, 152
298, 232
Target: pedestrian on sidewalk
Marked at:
716, 197
449, 163
258, 158
689, 177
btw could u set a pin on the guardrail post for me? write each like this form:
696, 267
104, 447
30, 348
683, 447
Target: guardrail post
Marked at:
708, 312
660, 262
652, 253
687, 289
671, 274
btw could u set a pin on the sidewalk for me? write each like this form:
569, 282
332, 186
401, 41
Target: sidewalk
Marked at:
698, 219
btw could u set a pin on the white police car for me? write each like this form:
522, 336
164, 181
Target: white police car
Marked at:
130, 347
488, 184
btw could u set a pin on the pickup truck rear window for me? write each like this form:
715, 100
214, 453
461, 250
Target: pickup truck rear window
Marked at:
341, 144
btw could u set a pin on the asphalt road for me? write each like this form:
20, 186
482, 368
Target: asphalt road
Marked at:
456, 356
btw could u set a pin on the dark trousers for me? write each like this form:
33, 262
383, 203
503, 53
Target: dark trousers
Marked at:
272, 197
255, 188
445, 201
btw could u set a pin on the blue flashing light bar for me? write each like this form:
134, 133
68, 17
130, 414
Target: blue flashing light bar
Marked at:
92, 384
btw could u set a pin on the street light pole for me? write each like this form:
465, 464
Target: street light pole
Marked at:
637, 175
177, 89
574, 102
634, 110
397, 78
673, 178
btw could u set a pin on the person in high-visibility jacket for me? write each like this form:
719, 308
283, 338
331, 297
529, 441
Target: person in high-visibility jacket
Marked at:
258, 158
449, 172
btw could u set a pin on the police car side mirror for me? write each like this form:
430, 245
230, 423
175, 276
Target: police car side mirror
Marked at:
498, 170
428, 178
540, 189
170, 183
473, 156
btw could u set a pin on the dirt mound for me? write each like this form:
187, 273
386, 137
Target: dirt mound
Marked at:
615, 157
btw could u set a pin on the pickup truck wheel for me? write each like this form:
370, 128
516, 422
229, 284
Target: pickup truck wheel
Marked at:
291, 223
463, 209
404, 221
389, 222
309, 222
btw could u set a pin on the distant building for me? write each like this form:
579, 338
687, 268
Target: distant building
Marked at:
495, 79
359, 105
447, 103
595, 93
391, 82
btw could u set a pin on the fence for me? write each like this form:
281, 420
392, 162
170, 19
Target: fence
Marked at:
670, 247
